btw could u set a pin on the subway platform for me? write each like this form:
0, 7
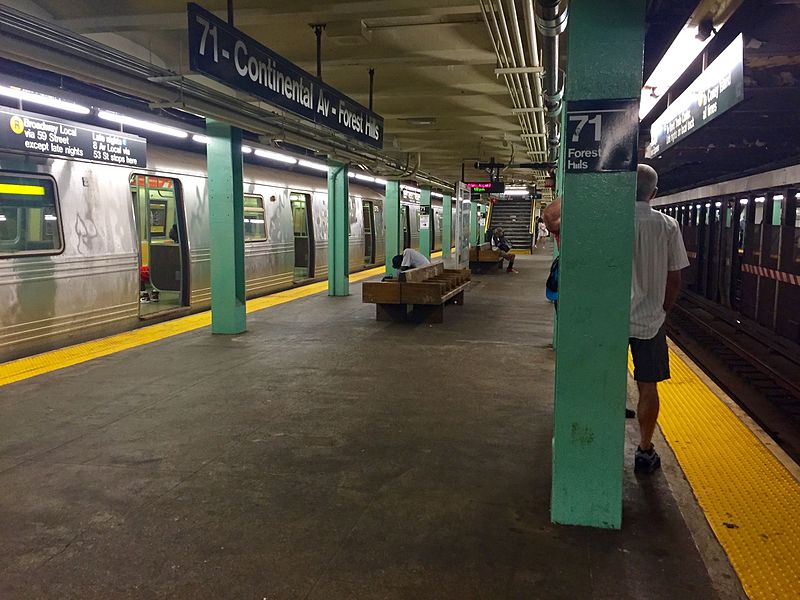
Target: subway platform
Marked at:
324, 455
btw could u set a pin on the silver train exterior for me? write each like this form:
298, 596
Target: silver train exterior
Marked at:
92, 287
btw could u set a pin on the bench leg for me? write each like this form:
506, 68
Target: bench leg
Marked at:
391, 312
427, 313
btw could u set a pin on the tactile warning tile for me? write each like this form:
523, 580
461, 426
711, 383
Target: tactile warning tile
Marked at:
39, 364
751, 501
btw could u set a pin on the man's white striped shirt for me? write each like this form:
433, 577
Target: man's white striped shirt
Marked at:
658, 248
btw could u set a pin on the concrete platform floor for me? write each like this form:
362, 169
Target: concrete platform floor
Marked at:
322, 455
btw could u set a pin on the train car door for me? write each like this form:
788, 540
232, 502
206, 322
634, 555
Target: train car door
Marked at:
303, 240
787, 317
753, 214
369, 228
163, 249
770, 246
405, 218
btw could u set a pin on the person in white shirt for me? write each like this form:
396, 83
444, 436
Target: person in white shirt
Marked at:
658, 258
410, 259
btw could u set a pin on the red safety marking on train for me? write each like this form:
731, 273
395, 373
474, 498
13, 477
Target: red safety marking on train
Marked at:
771, 274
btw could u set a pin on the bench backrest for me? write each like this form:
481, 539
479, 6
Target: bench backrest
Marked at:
422, 273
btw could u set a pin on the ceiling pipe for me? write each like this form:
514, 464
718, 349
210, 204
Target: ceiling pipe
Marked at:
533, 54
551, 21
526, 77
502, 59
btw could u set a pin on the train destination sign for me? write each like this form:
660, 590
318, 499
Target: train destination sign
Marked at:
718, 89
224, 53
22, 131
486, 187
602, 135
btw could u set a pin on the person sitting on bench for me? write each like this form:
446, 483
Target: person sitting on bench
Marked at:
500, 243
410, 259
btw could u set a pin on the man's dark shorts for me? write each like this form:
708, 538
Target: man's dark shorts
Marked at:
650, 358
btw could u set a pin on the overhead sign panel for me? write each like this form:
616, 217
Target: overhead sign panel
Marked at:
718, 89
30, 133
486, 187
602, 135
224, 53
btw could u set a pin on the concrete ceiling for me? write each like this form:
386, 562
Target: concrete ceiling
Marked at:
432, 59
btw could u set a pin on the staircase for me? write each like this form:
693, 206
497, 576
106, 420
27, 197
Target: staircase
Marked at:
514, 216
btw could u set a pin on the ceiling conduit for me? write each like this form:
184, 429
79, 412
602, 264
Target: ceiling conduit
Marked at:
28, 40
551, 21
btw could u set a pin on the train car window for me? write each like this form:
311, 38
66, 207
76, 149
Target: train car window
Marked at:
255, 223
796, 216
30, 220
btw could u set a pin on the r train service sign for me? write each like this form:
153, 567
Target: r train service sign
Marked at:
718, 89
29, 133
224, 53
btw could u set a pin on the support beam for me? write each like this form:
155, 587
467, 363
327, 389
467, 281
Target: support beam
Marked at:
425, 223
226, 227
595, 286
338, 230
447, 225
391, 219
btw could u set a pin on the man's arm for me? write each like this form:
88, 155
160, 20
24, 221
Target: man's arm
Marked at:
673, 289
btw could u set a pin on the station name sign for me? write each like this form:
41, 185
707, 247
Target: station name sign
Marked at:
602, 135
486, 187
718, 89
224, 53
29, 133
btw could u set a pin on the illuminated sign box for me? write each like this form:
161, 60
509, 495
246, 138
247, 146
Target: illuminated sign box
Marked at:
718, 89
486, 187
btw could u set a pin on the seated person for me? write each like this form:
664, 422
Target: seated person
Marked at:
502, 245
410, 259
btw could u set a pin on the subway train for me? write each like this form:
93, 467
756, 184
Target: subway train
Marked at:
743, 241
88, 250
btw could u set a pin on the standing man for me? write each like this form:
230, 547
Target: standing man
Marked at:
658, 258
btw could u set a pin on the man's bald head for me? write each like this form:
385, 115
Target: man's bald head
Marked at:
646, 183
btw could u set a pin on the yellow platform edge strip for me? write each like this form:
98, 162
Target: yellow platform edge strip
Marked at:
39, 364
750, 499
68, 356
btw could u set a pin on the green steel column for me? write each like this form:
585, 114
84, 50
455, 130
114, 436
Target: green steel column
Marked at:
338, 230
425, 232
226, 227
473, 223
606, 39
391, 220
447, 225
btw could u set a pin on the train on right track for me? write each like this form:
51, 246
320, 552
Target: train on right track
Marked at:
743, 241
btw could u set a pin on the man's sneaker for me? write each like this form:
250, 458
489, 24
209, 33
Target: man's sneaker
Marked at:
646, 461
630, 414
510, 270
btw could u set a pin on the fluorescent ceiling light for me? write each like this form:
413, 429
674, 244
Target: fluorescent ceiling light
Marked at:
437, 195
409, 188
42, 99
684, 49
778, 197
141, 124
200, 139
743, 201
708, 204
50, 218
381, 181
516, 193
760, 199
365, 178
511, 188
246, 149
351, 175
314, 165
2, 218
276, 156
717, 204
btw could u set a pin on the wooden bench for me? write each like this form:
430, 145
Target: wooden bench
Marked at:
483, 256
417, 294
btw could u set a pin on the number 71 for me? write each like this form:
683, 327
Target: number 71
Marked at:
582, 120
